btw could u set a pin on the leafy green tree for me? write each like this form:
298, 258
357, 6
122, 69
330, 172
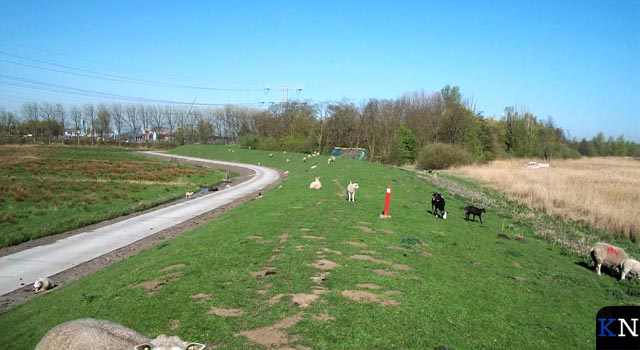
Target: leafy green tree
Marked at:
403, 148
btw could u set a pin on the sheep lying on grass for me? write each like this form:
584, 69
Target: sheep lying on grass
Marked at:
89, 333
351, 191
315, 185
630, 266
604, 253
42, 284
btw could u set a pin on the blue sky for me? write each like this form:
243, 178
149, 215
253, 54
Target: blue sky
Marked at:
575, 61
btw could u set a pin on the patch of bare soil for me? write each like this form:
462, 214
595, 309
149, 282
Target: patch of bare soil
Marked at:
369, 298
26, 293
324, 264
200, 298
226, 312
272, 335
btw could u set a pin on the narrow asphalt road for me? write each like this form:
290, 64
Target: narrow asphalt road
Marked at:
44, 261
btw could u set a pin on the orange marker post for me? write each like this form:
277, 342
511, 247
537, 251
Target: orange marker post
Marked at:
387, 199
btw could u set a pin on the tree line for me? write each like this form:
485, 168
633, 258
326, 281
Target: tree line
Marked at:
393, 131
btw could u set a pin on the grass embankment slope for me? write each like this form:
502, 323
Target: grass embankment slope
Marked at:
46, 190
304, 269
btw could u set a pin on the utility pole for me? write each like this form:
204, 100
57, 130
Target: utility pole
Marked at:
285, 91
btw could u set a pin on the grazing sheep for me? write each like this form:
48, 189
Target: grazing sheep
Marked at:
351, 191
315, 185
437, 203
630, 266
471, 210
89, 333
603, 253
314, 166
188, 195
42, 284
331, 160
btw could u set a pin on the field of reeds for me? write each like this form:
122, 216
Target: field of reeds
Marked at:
46, 190
601, 192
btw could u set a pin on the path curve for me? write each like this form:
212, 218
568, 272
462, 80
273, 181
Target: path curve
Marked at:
47, 260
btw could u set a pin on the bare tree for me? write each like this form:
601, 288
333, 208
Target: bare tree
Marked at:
60, 115
132, 119
118, 118
90, 113
31, 113
103, 120
76, 116
170, 119
156, 118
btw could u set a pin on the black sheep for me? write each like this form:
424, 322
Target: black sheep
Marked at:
471, 210
437, 203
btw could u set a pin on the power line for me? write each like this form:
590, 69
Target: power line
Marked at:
113, 77
48, 87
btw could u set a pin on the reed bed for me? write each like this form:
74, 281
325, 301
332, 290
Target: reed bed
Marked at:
604, 193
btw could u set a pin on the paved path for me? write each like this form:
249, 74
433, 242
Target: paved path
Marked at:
43, 261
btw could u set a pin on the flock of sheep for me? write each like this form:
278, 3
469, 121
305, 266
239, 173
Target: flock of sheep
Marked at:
99, 334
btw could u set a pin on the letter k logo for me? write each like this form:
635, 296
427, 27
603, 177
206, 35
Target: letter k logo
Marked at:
604, 327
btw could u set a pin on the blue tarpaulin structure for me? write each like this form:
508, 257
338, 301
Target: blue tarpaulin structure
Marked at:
355, 153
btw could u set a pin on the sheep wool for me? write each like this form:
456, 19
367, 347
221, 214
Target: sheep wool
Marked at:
607, 254
351, 191
89, 333
630, 266
316, 184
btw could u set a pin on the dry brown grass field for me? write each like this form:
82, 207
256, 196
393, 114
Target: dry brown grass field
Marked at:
602, 192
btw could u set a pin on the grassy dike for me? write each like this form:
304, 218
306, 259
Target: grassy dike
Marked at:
306, 269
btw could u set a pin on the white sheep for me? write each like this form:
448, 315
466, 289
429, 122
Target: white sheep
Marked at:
42, 284
351, 191
315, 185
331, 160
89, 333
604, 253
188, 195
630, 265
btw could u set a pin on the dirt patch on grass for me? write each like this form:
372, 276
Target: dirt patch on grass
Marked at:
324, 264
226, 312
368, 297
200, 298
272, 335
173, 267
25, 293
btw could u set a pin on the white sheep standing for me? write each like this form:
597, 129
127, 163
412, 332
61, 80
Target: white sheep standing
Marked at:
630, 265
89, 333
315, 185
188, 195
351, 191
331, 160
604, 253
42, 284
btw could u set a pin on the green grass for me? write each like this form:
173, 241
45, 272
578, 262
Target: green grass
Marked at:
466, 287
52, 189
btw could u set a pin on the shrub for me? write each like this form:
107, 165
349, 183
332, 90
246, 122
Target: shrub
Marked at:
248, 141
442, 156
